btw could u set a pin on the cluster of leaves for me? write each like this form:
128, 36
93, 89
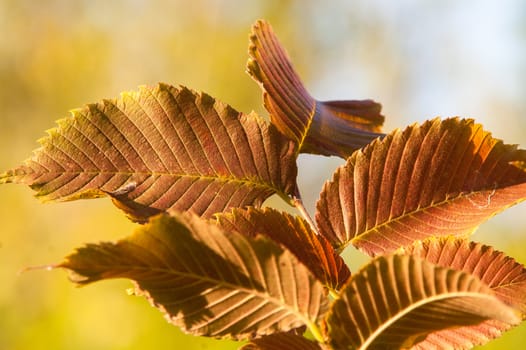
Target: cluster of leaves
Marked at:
195, 172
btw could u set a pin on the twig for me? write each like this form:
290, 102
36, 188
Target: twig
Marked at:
298, 203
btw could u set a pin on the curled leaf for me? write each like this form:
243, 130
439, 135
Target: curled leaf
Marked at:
327, 128
207, 281
161, 148
444, 177
294, 234
397, 300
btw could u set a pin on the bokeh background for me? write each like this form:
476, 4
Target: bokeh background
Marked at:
419, 58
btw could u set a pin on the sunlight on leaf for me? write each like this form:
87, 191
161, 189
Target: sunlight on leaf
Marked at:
502, 274
281, 341
327, 128
444, 177
295, 234
208, 281
396, 300
161, 148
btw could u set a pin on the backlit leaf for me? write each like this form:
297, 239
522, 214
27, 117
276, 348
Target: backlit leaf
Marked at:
327, 128
208, 281
396, 300
282, 341
463, 337
161, 148
502, 274
439, 178
505, 276
295, 234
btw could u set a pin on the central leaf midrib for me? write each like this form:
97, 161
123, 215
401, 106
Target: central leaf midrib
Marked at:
407, 310
307, 127
445, 202
245, 180
213, 282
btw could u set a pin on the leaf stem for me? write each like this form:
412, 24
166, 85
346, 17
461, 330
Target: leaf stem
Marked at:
298, 203
333, 293
316, 332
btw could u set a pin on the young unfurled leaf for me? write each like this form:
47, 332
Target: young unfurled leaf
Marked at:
282, 341
502, 274
295, 234
397, 300
439, 178
208, 281
327, 128
161, 148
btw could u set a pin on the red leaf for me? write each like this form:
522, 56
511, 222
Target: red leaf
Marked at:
502, 274
161, 148
439, 178
282, 341
295, 234
396, 300
327, 128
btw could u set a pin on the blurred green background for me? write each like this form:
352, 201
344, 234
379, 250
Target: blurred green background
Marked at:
419, 58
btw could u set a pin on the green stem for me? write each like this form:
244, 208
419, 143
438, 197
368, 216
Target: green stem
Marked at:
333, 293
316, 332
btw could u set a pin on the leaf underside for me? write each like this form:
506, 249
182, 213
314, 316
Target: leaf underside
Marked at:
295, 234
444, 177
259, 274
463, 338
328, 128
396, 300
505, 276
282, 341
161, 148
207, 281
502, 274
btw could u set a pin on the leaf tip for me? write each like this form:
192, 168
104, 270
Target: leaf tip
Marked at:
41, 267
6, 177
15, 175
259, 24
253, 69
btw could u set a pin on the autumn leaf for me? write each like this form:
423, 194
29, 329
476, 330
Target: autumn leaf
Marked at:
505, 276
502, 274
444, 177
208, 281
295, 234
327, 128
281, 341
161, 148
397, 300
